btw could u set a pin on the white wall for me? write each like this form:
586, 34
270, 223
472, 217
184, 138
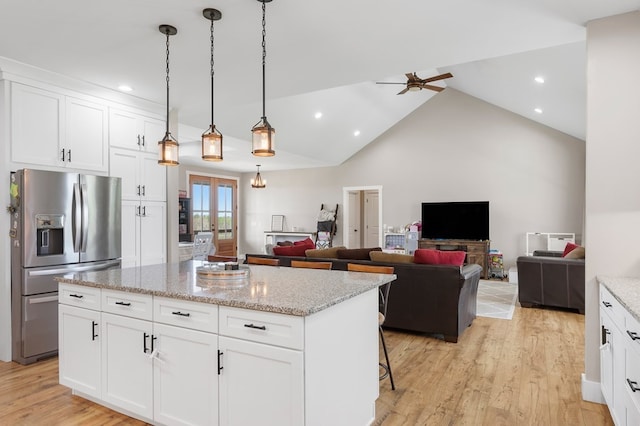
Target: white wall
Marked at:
453, 148
613, 175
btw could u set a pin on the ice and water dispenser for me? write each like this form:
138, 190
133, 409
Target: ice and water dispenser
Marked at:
50, 234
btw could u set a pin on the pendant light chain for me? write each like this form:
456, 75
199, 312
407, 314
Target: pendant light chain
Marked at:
211, 39
167, 82
264, 55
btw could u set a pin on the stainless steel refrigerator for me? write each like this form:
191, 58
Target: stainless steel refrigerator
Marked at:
60, 223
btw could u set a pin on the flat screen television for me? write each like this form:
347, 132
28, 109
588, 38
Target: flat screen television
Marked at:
464, 220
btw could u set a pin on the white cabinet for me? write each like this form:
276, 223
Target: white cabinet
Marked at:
548, 241
144, 239
619, 360
260, 384
185, 376
135, 131
142, 177
79, 349
127, 368
55, 130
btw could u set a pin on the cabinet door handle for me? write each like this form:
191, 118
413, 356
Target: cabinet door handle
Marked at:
144, 343
605, 332
143, 144
633, 335
77, 296
181, 314
93, 330
633, 385
138, 140
606, 304
137, 210
63, 154
144, 190
144, 210
258, 327
138, 190
153, 339
123, 303
69, 155
220, 367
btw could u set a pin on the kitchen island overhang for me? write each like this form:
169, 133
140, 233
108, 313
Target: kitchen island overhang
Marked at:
323, 324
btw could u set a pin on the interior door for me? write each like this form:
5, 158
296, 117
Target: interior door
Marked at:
355, 231
371, 221
214, 208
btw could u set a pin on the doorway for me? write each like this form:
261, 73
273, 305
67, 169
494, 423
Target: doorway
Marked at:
362, 216
214, 208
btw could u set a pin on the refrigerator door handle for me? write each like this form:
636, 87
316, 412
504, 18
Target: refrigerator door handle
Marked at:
75, 268
85, 218
77, 210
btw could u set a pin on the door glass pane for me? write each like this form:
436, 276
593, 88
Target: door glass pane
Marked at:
225, 212
201, 194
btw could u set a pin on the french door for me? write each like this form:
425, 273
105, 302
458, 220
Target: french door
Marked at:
214, 208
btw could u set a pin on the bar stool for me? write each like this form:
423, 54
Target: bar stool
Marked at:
263, 261
384, 298
310, 265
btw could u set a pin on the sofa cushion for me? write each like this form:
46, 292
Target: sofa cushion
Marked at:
356, 254
286, 243
576, 253
328, 253
439, 257
568, 248
308, 243
380, 256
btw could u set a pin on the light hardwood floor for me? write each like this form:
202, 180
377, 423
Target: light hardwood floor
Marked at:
525, 371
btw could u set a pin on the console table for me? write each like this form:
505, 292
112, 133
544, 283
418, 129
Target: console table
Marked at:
274, 237
477, 251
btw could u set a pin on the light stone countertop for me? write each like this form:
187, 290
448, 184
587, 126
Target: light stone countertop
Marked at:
626, 290
285, 290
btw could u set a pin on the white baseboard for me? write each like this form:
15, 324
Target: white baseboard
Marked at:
591, 391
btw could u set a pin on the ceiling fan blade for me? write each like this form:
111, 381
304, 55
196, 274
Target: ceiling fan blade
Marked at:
387, 82
437, 77
404, 91
430, 87
411, 76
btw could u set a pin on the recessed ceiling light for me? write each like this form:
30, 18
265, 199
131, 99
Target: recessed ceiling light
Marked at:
356, 133
318, 115
125, 88
539, 79
538, 110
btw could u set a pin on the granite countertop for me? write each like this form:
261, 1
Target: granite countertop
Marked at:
626, 290
291, 291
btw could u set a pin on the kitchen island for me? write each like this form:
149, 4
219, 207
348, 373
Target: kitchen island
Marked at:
282, 346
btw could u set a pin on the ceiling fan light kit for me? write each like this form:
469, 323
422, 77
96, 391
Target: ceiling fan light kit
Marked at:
212, 138
415, 83
168, 146
262, 134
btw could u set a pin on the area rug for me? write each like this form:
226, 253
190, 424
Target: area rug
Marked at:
496, 299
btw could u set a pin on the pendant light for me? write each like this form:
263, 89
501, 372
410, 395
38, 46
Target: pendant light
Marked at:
168, 146
263, 135
212, 138
257, 181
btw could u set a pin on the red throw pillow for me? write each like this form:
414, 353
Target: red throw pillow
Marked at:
290, 250
569, 248
439, 257
308, 243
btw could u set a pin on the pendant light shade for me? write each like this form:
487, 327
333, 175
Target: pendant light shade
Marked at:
263, 135
168, 146
212, 138
257, 181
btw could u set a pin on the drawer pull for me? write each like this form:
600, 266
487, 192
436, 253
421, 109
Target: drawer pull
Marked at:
633, 335
181, 314
258, 327
606, 304
633, 385
77, 296
123, 303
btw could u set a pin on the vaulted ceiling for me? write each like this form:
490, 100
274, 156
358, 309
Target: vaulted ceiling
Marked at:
321, 57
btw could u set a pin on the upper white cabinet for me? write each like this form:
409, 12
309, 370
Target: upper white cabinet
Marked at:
142, 177
135, 131
56, 130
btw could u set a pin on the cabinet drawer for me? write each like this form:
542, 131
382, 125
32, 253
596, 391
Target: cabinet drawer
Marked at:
183, 313
632, 333
611, 306
79, 295
263, 327
128, 304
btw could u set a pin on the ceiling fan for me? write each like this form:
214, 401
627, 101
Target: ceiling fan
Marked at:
415, 83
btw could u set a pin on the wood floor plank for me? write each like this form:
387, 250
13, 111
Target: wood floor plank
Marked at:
524, 371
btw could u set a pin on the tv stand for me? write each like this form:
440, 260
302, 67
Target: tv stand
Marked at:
477, 251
